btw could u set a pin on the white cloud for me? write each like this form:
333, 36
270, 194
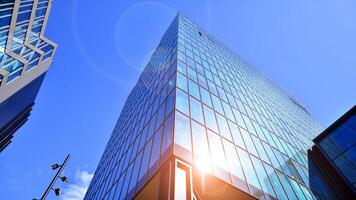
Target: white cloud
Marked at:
77, 190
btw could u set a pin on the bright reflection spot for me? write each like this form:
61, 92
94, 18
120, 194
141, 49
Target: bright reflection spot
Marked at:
203, 164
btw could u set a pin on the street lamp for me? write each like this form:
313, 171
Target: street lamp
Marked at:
57, 191
64, 179
60, 167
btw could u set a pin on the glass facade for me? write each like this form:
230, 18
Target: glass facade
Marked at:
332, 159
198, 101
340, 147
25, 39
25, 55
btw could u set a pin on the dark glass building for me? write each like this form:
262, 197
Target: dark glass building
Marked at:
202, 123
25, 55
333, 159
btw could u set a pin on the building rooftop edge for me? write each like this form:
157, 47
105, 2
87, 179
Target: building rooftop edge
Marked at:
337, 123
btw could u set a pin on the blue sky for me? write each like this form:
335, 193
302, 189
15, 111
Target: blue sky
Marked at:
306, 47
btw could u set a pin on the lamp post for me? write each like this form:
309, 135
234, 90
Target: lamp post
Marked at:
60, 168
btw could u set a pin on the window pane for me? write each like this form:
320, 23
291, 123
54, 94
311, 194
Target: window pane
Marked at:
167, 134
223, 127
196, 110
248, 169
217, 151
194, 90
297, 189
249, 144
233, 160
145, 159
182, 102
217, 104
182, 82
275, 182
182, 131
239, 119
260, 149
287, 186
236, 135
205, 97
200, 146
228, 111
266, 185
210, 120
156, 147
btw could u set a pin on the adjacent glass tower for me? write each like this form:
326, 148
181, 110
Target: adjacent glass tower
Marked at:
333, 159
25, 55
201, 123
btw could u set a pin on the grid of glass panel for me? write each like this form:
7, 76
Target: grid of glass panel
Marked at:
203, 103
238, 124
142, 138
18, 45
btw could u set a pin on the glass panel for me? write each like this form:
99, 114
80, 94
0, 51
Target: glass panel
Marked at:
210, 120
223, 127
217, 151
194, 90
182, 103
196, 110
206, 97
233, 160
275, 182
182, 82
217, 104
167, 134
156, 147
297, 189
263, 177
287, 186
249, 144
200, 147
248, 169
182, 131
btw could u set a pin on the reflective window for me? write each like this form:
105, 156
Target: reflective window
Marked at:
239, 119
223, 127
217, 104
217, 151
248, 168
205, 97
182, 131
286, 186
263, 177
233, 160
182, 103
236, 135
196, 110
156, 147
228, 111
275, 182
182, 82
249, 144
200, 146
194, 89
210, 120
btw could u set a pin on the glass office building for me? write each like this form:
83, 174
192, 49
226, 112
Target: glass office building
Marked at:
333, 159
25, 55
202, 123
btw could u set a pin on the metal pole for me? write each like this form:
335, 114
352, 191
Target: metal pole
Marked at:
55, 178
